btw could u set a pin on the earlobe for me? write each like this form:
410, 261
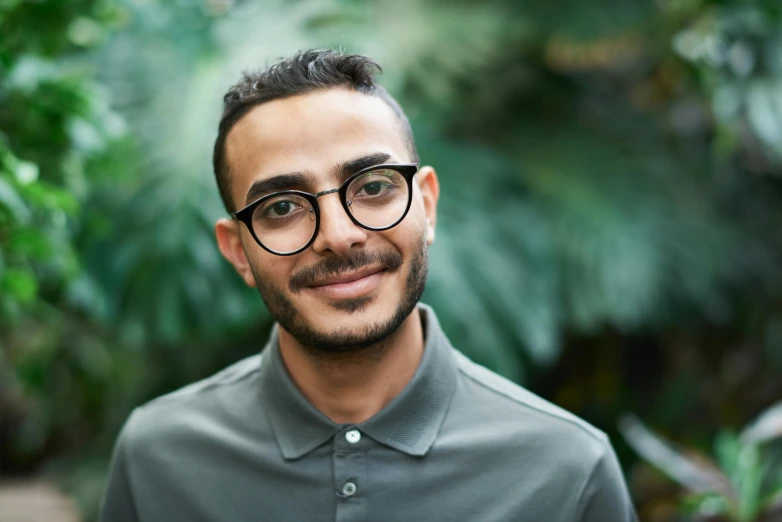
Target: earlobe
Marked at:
230, 244
430, 191
429, 232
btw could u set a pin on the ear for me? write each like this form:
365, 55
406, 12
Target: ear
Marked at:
430, 190
230, 243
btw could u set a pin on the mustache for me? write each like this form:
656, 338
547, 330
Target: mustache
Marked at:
389, 260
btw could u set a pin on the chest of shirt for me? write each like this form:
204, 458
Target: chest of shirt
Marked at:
351, 478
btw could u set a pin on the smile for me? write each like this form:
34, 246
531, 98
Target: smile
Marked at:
349, 286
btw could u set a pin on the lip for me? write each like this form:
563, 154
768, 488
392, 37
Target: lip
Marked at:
347, 278
349, 286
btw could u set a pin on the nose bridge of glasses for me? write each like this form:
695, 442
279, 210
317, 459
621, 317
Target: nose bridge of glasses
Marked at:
338, 201
337, 231
325, 192
331, 191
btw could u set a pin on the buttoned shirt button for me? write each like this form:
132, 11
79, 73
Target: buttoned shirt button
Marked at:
353, 436
349, 489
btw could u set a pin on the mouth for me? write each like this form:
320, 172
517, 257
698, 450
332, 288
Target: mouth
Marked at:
349, 286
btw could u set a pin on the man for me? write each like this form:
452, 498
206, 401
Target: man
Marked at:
358, 408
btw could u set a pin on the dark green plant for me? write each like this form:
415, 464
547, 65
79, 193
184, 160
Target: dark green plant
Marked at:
741, 483
54, 119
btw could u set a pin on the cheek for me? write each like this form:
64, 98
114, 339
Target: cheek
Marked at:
416, 217
417, 213
409, 234
268, 268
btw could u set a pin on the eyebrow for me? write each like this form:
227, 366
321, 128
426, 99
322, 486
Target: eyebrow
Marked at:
288, 181
296, 180
349, 168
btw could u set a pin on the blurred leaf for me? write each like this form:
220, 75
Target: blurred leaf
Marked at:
764, 110
49, 197
11, 200
29, 243
727, 449
698, 476
741, 464
767, 426
750, 482
706, 505
19, 284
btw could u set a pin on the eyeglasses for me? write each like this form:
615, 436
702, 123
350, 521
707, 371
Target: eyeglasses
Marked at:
286, 223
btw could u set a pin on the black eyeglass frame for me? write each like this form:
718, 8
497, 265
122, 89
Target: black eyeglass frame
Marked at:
407, 170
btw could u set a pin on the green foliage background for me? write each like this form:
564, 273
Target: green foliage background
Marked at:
610, 225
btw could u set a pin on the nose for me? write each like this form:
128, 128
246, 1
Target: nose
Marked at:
337, 234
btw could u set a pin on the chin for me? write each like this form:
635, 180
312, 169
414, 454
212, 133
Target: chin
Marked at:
347, 325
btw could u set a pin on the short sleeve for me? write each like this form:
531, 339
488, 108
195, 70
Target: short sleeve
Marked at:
604, 496
118, 504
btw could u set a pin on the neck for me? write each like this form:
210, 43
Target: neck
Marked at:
351, 387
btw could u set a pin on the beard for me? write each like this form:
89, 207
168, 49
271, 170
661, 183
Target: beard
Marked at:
344, 339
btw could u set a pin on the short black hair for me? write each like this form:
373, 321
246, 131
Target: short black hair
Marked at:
305, 72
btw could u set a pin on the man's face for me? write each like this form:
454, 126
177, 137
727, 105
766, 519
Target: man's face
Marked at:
352, 287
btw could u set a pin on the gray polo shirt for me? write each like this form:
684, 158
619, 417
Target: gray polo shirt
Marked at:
460, 443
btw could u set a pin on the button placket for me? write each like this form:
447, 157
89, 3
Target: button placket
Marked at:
350, 485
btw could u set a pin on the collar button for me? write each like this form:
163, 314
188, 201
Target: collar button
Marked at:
353, 436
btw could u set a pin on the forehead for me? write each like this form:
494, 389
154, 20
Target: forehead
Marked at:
313, 133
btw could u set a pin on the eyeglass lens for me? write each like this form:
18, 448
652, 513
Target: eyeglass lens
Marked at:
376, 199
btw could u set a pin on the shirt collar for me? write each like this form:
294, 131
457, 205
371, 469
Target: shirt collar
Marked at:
409, 423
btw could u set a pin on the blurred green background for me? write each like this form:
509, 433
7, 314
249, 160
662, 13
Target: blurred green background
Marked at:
610, 230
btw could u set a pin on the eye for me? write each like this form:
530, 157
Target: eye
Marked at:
374, 188
281, 208
375, 184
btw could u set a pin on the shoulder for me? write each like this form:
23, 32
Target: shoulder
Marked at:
528, 419
192, 408
219, 382
504, 428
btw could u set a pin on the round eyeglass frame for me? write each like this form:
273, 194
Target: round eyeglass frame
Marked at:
407, 170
